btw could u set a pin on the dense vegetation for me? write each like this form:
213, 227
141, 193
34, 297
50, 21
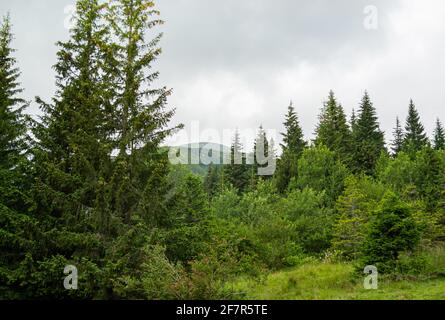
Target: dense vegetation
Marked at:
88, 183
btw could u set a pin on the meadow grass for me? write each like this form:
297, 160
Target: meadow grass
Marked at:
335, 281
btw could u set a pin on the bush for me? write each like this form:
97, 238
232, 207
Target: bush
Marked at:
206, 277
319, 169
312, 221
391, 232
354, 208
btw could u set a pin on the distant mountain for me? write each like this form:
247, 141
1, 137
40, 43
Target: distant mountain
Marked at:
196, 155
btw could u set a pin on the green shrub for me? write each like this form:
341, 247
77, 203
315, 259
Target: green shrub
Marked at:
391, 232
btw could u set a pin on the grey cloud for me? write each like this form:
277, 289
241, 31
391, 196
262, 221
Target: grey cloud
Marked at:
205, 34
237, 63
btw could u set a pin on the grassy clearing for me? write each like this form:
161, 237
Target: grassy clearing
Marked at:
335, 282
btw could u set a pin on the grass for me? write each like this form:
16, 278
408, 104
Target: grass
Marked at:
334, 281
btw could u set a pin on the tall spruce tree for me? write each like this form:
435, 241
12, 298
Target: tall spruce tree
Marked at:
368, 139
73, 138
293, 139
140, 111
415, 137
19, 230
237, 172
211, 180
262, 155
430, 170
260, 146
353, 121
292, 147
439, 136
397, 142
73, 152
142, 116
333, 130
12, 119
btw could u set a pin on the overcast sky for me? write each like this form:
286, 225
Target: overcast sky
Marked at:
238, 63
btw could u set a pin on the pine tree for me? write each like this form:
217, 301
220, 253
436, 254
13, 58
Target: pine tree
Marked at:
72, 153
353, 213
292, 148
211, 180
186, 237
353, 121
333, 130
194, 206
139, 180
430, 170
293, 139
19, 230
140, 110
415, 137
321, 171
439, 136
12, 119
392, 230
73, 137
368, 140
262, 157
237, 172
397, 143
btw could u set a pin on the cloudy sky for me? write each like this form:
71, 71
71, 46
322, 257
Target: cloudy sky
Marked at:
238, 63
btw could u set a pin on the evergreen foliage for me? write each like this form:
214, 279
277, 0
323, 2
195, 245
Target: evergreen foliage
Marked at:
292, 148
439, 136
89, 183
368, 140
333, 130
237, 173
397, 143
415, 137
392, 231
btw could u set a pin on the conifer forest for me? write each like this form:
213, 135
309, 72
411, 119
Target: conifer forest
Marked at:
92, 207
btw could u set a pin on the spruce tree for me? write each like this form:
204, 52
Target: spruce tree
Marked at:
415, 137
353, 213
397, 143
237, 172
19, 230
439, 136
368, 140
333, 130
292, 147
73, 137
262, 156
12, 119
293, 139
430, 170
392, 230
186, 237
353, 121
211, 180
139, 185
72, 153
140, 111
